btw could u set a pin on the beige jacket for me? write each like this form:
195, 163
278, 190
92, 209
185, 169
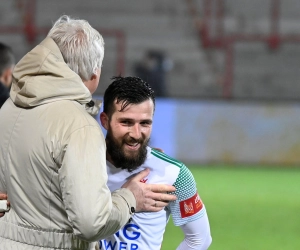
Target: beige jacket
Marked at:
52, 160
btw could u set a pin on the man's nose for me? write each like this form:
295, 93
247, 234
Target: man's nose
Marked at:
135, 132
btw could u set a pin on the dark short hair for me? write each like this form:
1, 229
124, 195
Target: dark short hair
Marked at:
7, 58
128, 90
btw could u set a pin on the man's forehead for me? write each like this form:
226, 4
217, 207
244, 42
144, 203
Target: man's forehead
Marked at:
138, 111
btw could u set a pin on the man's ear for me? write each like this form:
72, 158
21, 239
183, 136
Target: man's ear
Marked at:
93, 77
7, 76
104, 120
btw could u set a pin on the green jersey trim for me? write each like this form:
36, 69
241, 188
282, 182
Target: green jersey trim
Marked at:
166, 158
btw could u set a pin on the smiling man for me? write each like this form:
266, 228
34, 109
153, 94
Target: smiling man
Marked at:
129, 105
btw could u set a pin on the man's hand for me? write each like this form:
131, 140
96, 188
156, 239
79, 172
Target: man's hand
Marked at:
3, 197
149, 197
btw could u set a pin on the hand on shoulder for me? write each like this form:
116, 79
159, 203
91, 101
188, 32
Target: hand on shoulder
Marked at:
149, 197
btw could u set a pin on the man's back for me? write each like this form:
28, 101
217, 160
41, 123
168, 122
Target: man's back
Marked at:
41, 153
30, 155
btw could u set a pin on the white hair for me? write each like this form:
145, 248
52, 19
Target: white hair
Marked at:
81, 45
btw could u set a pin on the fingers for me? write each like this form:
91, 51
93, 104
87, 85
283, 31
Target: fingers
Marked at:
153, 202
156, 206
156, 202
141, 174
162, 197
160, 204
161, 188
3, 196
148, 195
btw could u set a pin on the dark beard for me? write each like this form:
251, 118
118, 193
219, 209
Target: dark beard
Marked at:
120, 160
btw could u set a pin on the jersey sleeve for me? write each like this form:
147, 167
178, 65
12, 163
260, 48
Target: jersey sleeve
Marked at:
188, 206
196, 235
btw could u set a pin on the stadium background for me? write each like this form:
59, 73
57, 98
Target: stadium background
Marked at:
231, 108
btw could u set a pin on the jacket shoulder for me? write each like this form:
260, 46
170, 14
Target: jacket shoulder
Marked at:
67, 116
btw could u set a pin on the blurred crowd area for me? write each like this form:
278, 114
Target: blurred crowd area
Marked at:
204, 49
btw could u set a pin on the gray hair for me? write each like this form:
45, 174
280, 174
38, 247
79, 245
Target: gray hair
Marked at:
81, 45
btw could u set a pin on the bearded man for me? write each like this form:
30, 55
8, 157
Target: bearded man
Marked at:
129, 105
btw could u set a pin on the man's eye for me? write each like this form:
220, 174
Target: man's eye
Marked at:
146, 123
126, 122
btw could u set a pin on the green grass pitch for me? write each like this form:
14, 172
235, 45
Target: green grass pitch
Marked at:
248, 208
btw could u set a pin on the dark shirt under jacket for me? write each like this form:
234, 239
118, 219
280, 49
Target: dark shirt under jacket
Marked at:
4, 94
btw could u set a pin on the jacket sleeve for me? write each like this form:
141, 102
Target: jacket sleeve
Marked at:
92, 210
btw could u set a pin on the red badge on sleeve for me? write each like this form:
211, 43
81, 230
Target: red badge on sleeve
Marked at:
190, 206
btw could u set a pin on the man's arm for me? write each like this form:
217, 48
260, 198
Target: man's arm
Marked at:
196, 235
189, 212
93, 211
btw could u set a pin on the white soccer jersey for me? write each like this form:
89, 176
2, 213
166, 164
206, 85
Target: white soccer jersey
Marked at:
145, 230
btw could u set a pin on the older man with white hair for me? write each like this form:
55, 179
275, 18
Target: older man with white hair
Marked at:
52, 151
